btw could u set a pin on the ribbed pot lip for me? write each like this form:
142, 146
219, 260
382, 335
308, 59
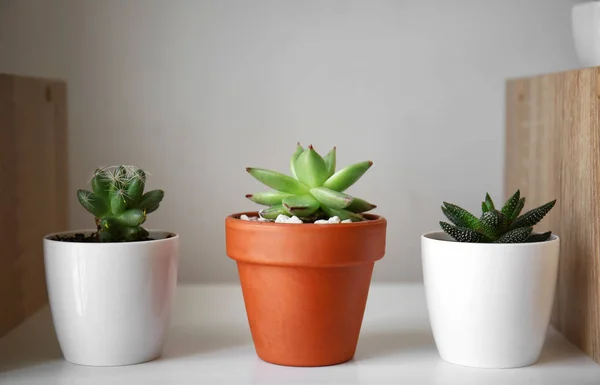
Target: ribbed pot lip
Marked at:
441, 237
234, 219
47, 238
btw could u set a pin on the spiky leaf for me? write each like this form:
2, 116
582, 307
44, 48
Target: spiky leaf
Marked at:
360, 206
92, 203
463, 234
489, 202
299, 150
543, 237
134, 191
484, 208
346, 177
301, 205
517, 210
268, 198
331, 198
101, 184
342, 214
489, 223
278, 181
515, 236
511, 204
330, 160
310, 168
532, 217
465, 218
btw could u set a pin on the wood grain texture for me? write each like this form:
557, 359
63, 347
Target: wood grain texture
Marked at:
33, 189
552, 151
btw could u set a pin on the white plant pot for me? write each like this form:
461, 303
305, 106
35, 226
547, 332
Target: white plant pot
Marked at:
489, 304
585, 20
111, 302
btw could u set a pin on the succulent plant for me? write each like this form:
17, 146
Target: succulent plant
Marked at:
119, 204
314, 190
496, 226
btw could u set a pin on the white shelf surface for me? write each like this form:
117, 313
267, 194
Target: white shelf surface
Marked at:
209, 342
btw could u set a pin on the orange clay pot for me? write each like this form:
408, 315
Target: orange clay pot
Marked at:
305, 286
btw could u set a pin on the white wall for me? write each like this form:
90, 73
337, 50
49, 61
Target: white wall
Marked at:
195, 91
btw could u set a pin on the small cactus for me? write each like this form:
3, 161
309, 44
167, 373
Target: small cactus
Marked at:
496, 226
314, 191
119, 204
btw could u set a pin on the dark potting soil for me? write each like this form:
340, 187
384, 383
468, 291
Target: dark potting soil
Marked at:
92, 238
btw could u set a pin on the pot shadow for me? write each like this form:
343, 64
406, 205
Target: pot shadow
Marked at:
378, 344
558, 349
189, 342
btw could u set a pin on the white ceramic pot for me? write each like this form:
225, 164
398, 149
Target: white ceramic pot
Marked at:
489, 304
585, 21
111, 302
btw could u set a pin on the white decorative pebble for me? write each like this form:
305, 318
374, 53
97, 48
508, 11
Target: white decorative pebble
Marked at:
335, 219
282, 218
261, 219
244, 217
321, 222
294, 219
347, 221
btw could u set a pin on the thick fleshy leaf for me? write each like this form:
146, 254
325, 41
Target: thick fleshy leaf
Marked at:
346, 177
454, 218
150, 200
517, 210
466, 219
543, 237
299, 150
92, 203
342, 214
273, 211
532, 217
331, 198
360, 206
134, 233
484, 208
489, 203
489, 224
134, 191
118, 204
278, 181
301, 205
515, 236
268, 198
132, 217
310, 168
463, 234
511, 204
330, 160
101, 184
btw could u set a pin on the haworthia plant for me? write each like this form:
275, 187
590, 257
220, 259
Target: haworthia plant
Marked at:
119, 204
314, 190
506, 225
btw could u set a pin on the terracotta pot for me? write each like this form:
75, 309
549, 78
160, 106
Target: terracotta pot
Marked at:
305, 286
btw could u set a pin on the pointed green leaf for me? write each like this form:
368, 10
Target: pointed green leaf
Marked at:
454, 218
134, 191
489, 224
118, 204
489, 203
532, 217
299, 150
484, 208
463, 234
331, 198
515, 236
310, 168
360, 206
543, 237
132, 217
347, 176
273, 211
92, 203
269, 198
517, 210
466, 218
101, 184
151, 199
278, 181
342, 214
511, 204
330, 160
301, 205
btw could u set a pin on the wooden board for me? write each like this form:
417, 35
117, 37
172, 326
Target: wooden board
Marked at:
33, 189
552, 151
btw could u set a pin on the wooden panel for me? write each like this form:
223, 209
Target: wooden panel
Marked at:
33, 189
552, 144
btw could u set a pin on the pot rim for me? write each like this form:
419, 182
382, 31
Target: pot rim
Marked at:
47, 238
430, 237
373, 220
